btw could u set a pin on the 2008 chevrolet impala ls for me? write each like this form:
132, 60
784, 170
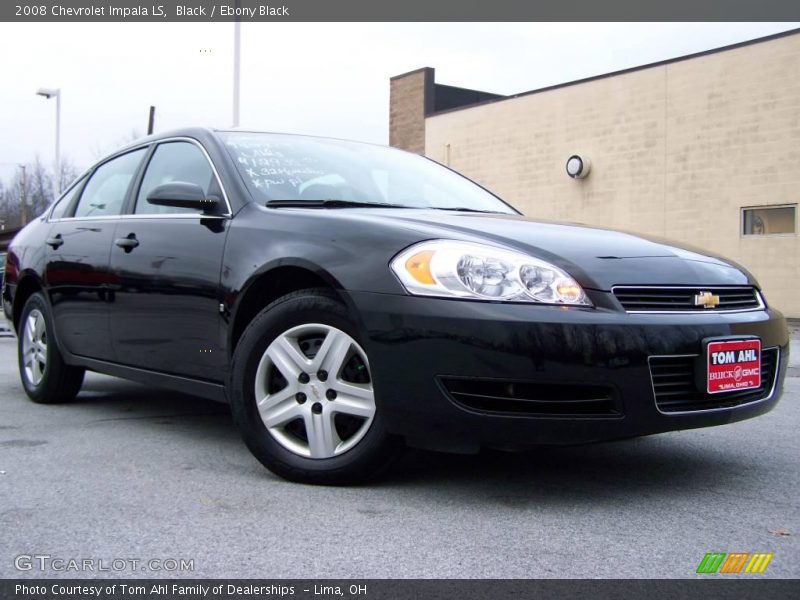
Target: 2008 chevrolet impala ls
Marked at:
348, 299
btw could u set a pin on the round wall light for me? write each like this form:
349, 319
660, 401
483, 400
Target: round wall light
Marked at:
578, 166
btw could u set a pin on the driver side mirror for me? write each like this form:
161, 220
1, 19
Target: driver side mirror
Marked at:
181, 194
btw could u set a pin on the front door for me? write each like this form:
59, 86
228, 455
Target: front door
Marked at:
166, 262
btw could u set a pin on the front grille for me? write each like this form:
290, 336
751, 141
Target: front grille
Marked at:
533, 399
654, 299
675, 389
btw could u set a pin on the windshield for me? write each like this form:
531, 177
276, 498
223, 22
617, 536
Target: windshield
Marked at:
298, 168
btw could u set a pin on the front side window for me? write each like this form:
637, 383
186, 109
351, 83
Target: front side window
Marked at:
66, 201
174, 162
299, 168
105, 192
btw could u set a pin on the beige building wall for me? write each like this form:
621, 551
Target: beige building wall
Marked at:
677, 150
408, 108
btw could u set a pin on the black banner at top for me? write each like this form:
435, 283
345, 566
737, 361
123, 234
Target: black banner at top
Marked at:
397, 10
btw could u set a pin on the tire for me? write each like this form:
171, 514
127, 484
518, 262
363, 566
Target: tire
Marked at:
47, 379
324, 427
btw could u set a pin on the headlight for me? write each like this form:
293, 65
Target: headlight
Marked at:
454, 269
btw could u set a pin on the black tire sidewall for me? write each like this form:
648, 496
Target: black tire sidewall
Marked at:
298, 309
46, 390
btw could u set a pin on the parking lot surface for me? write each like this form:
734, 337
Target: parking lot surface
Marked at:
132, 472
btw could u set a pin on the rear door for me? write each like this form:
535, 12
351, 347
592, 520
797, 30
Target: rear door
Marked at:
76, 272
165, 315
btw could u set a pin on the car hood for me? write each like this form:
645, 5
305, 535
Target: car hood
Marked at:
597, 258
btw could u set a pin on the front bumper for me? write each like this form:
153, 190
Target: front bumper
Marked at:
415, 343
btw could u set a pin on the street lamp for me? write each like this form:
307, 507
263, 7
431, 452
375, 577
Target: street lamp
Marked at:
23, 196
237, 51
55, 93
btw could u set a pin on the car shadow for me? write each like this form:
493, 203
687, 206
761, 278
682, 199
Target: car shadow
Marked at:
660, 467
110, 392
105, 399
102, 390
657, 470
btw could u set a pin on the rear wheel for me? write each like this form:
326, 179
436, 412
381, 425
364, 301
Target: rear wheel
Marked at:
47, 379
303, 395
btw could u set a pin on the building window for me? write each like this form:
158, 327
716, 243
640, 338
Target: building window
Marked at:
769, 220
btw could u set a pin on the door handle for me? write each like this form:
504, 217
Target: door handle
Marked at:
55, 242
127, 243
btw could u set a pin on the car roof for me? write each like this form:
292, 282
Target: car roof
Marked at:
202, 133
190, 132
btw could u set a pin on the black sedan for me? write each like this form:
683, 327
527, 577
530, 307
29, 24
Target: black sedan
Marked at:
347, 299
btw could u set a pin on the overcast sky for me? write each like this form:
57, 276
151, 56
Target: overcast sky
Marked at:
327, 78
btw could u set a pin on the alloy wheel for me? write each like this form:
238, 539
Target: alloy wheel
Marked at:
34, 347
314, 392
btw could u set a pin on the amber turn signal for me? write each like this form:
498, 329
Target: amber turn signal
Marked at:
419, 267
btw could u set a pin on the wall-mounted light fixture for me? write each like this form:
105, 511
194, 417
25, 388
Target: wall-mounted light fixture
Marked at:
578, 166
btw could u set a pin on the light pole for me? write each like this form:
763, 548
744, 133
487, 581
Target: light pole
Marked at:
237, 44
55, 93
23, 197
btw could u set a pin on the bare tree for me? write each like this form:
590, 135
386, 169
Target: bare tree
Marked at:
130, 137
8, 210
36, 189
69, 173
39, 188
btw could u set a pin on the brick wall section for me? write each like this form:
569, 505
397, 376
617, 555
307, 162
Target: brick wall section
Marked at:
677, 150
407, 102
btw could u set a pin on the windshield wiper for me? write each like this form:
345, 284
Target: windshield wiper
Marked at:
465, 209
330, 204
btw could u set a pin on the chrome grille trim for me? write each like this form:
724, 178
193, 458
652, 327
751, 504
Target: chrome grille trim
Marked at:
754, 298
769, 387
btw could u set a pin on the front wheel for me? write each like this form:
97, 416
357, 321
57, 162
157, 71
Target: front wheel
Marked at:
47, 379
303, 396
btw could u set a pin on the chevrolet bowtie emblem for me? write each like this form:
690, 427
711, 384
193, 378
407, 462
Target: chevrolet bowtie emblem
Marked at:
706, 300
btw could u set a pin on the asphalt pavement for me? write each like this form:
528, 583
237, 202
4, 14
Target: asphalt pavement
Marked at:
133, 473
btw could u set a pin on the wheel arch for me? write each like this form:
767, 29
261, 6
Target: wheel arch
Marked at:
28, 283
271, 282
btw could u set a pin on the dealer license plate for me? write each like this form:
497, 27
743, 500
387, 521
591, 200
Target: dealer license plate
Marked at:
733, 365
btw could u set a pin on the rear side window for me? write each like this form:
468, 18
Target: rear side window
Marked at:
174, 162
66, 201
105, 192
